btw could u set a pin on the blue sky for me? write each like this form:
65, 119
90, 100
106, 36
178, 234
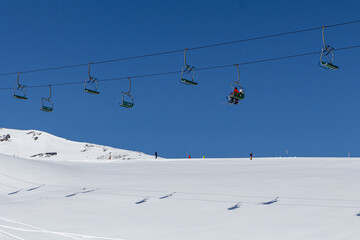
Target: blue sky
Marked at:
290, 104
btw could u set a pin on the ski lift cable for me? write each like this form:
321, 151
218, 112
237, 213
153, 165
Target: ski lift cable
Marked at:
181, 50
199, 69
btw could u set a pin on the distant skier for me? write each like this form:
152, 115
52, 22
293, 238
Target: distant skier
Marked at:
155, 155
251, 155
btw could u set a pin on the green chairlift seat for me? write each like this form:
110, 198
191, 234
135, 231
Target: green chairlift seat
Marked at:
91, 84
329, 65
189, 82
127, 100
238, 96
46, 109
127, 104
188, 75
327, 52
23, 97
20, 92
46, 103
91, 91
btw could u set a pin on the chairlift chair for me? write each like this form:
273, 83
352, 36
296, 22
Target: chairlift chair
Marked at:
327, 54
20, 90
241, 94
188, 73
46, 103
127, 100
91, 84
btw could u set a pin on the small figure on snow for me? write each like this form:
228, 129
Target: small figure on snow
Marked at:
156, 155
251, 155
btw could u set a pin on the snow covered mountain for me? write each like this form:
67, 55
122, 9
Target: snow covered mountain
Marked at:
32, 144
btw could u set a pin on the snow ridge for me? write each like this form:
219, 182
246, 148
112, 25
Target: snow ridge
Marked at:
33, 144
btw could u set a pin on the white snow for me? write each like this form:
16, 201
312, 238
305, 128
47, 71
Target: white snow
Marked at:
266, 198
32, 144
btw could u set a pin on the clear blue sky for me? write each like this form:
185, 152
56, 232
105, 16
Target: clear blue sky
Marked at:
290, 104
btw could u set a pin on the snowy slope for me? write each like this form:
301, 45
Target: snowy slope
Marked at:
301, 198
32, 144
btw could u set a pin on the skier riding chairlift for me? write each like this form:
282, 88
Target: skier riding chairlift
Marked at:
236, 93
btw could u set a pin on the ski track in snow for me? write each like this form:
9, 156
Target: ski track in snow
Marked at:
11, 235
30, 228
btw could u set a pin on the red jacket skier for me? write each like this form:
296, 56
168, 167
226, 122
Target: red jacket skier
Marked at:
235, 93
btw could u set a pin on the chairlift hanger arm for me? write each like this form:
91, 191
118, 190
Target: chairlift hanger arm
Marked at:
323, 36
89, 71
17, 79
185, 57
128, 93
237, 66
49, 93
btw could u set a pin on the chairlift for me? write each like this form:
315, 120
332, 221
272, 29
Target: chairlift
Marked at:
234, 97
127, 100
91, 84
327, 54
187, 73
20, 90
46, 103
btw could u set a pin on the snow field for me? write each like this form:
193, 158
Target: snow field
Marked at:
318, 198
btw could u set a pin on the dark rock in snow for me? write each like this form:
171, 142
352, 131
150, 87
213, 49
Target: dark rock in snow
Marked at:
46, 155
5, 138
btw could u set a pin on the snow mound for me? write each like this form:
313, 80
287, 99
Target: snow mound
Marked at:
33, 144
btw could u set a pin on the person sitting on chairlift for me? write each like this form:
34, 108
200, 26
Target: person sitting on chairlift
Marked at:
235, 93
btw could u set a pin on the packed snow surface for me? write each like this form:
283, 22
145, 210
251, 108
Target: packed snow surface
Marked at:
33, 144
212, 199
